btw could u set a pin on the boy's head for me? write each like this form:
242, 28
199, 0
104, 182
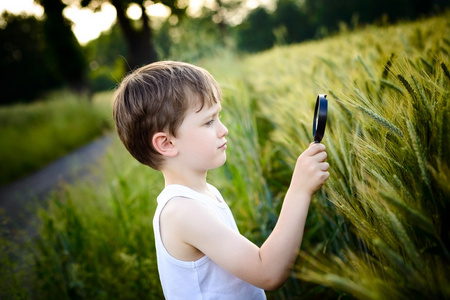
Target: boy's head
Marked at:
155, 98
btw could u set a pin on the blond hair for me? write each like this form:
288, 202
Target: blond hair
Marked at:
155, 98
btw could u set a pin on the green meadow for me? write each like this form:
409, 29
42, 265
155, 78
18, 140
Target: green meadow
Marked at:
33, 135
379, 227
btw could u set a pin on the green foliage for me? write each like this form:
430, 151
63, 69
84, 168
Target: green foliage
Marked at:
377, 229
33, 135
190, 39
106, 57
15, 264
255, 33
24, 60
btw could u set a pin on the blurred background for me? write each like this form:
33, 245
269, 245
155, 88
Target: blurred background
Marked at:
87, 45
82, 48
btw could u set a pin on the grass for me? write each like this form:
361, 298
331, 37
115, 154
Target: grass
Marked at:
107, 247
377, 229
33, 135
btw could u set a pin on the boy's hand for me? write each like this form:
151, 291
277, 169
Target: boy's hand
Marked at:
311, 170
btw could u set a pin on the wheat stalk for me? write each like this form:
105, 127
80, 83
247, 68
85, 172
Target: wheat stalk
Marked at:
366, 68
388, 158
413, 216
401, 233
391, 85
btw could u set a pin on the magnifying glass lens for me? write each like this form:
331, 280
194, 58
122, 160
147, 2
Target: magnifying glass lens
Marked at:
320, 117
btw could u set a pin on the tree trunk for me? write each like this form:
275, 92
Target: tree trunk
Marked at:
139, 41
66, 57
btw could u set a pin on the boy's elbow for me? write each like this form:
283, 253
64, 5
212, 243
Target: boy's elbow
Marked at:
272, 286
272, 283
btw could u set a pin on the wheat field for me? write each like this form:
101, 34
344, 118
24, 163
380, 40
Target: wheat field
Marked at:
378, 229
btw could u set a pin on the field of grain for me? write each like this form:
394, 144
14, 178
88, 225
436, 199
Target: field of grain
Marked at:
378, 229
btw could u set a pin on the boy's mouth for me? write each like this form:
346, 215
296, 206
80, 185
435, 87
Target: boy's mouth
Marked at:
224, 146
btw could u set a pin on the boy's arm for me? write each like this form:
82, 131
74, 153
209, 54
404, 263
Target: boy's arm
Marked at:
267, 267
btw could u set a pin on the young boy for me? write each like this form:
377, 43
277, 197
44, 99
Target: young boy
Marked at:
167, 115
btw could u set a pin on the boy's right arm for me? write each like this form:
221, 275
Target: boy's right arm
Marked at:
267, 267
310, 174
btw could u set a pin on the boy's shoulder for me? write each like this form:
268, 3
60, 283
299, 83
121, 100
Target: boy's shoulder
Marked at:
178, 190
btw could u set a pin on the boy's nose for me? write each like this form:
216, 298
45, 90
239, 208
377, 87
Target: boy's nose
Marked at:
223, 130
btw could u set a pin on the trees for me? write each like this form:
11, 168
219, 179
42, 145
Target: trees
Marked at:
105, 56
255, 33
66, 59
137, 34
37, 55
295, 21
24, 60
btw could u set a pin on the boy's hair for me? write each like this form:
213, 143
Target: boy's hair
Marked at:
155, 98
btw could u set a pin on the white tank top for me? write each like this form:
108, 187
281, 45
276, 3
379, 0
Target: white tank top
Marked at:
201, 279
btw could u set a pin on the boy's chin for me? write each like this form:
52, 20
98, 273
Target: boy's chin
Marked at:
221, 163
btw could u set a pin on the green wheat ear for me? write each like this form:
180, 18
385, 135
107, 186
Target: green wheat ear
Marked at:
382, 121
429, 66
446, 72
388, 66
420, 155
407, 86
420, 89
425, 102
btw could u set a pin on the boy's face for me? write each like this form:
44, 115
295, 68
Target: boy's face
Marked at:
201, 139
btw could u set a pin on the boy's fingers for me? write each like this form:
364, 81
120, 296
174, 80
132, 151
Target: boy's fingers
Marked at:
324, 166
321, 156
315, 148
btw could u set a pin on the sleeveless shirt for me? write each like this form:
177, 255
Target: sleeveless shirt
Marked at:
201, 279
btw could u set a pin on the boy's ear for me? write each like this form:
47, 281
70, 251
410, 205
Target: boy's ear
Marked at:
163, 144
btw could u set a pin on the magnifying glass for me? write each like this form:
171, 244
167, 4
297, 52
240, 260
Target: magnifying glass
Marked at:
320, 117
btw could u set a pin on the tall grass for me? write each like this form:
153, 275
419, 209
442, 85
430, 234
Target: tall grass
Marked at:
377, 229
32, 135
97, 241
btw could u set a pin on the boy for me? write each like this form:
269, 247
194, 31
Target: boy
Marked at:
167, 116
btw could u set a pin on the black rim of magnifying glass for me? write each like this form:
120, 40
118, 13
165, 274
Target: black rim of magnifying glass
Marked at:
320, 117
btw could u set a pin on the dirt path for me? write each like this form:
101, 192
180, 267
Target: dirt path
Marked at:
17, 198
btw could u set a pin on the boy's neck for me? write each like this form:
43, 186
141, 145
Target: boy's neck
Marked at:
196, 182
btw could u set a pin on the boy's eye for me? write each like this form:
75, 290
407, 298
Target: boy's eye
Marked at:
213, 119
